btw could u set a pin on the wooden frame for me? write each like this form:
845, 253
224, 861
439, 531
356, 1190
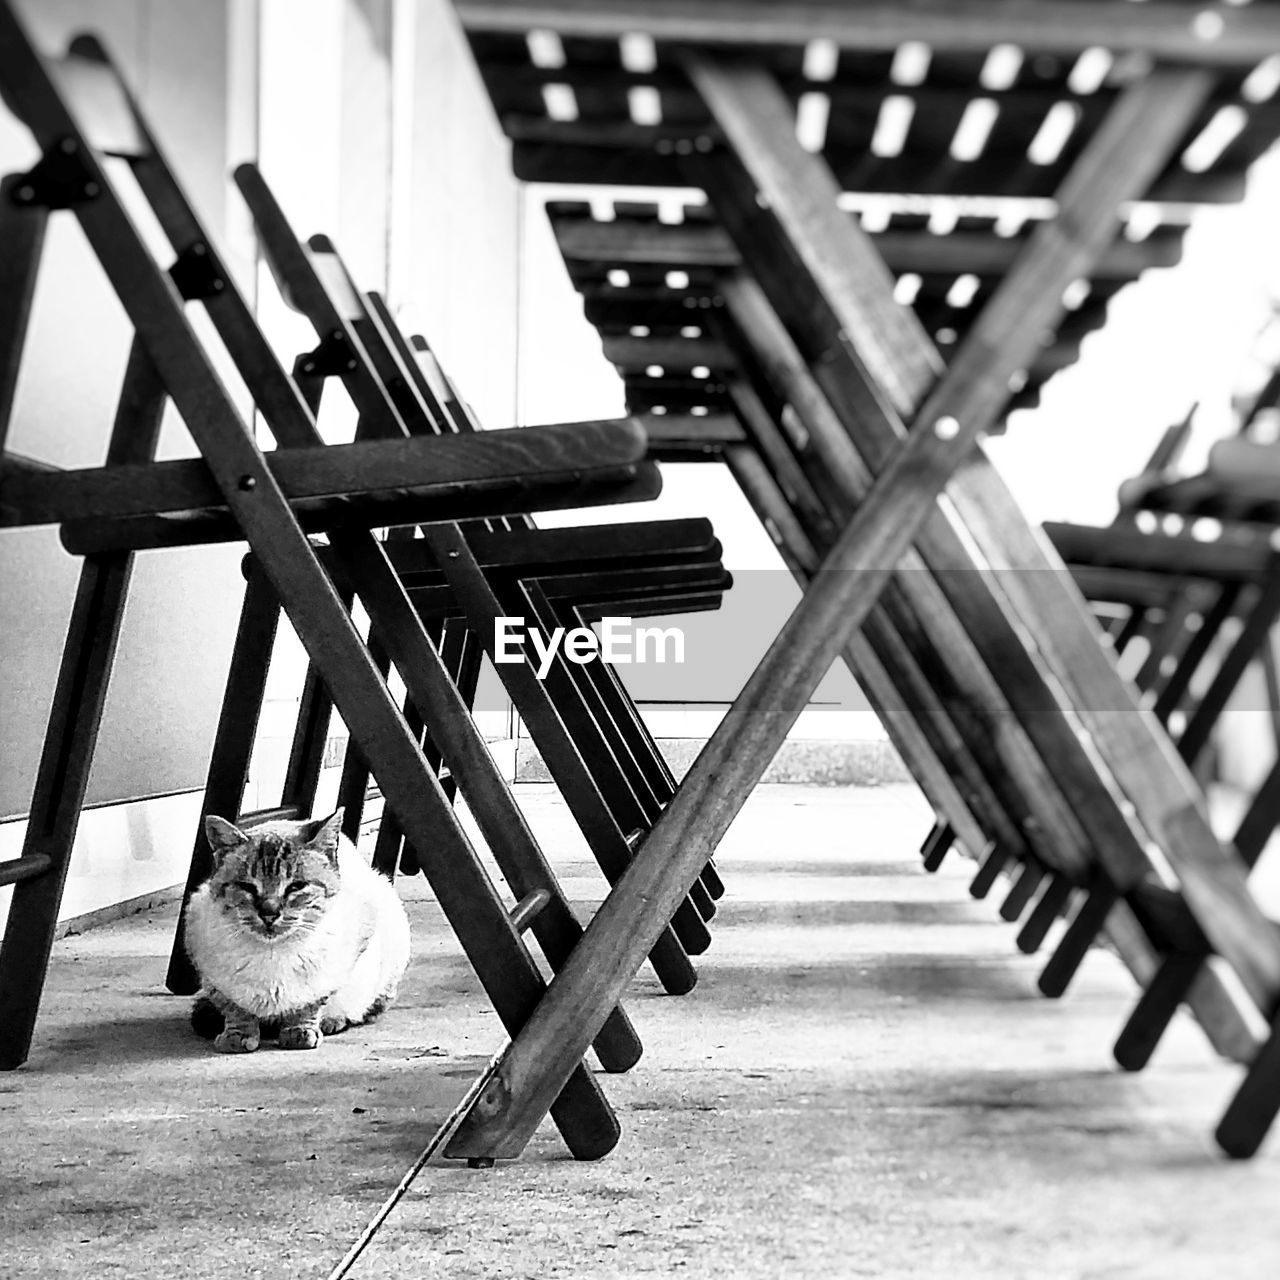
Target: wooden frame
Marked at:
827, 286
597, 747
782, 409
170, 362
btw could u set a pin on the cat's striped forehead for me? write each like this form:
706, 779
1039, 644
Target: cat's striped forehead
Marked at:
272, 855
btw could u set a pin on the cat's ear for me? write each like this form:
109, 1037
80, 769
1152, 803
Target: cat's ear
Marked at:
323, 836
223, 836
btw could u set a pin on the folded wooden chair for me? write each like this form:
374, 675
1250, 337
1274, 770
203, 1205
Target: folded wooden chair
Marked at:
1105, 763
1181, 592
234, 490
743, 410
628, 543
578, 718
1192, 588
1236, 493
585, 720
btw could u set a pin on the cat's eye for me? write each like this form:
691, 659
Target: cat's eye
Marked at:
295, 886
246, 886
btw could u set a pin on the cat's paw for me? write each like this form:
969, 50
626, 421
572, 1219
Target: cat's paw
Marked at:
236, 1040
300, 1037
332, 1026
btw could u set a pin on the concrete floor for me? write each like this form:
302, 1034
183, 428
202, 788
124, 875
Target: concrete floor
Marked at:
864, 1083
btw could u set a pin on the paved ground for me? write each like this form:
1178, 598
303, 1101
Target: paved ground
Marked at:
863, 1084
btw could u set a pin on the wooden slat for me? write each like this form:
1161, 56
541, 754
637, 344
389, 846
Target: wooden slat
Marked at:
380, 470
1154, 553
667, 353
760, 126
693, 244
569, 549
1164, 30
646, 164
707, 431
636, 484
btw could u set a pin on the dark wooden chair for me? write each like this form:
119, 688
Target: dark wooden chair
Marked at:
236, 491
594, 741
743, 414
964, 627
1238, 572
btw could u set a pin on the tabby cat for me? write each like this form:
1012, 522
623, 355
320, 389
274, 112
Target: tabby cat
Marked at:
293, 933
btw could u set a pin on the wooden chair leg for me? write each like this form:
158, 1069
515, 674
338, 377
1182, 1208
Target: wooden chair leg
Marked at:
1089, 921
1256, 1103
938, 630
936, 845
1175, 688
1053, 902
799, 554
311, 733
465, 663
1155, 1009
1023, 890
1164, 640
1253, 635
559, 699
995, 861
899, 690
1173, 981
232, 749
40, 872
628, 797
59, 797
1000, 675
451, 640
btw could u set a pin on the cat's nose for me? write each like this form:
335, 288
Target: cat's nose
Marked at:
268, 912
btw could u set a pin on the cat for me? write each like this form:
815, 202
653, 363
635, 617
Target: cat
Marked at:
293, 933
